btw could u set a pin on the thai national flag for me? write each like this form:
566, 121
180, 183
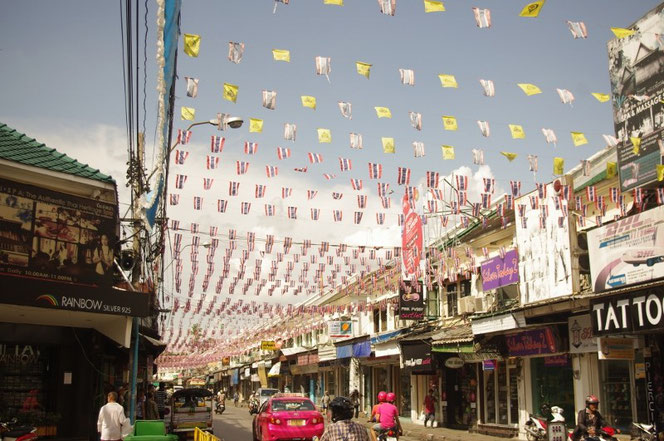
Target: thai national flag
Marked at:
567, 192
211, 162
300, 169
515, 186
591, 193
217, 144
245, 207
193, 228
486, 200
311, 194
269, 210
375, 171
260, 190
482, 17
283, 153
175, 225
462, 182
357, 218
432, 206
250, 148
337, 196
271, 171
175, 199
410, 194
541, 190
179, 181
638, 196
292, 212
286, 192
198, 202
534, 202
432, 179
489, 185
233, 188
337, 215
315, 158
403, 176
184, 136
181, 156
660, 196
241, 167
213, 231
207, 183
509, 201
383, 188
613, 194
386, 202
329, 176
345, 164
362, 201
315, 213
463, 198
437, 193
356, 184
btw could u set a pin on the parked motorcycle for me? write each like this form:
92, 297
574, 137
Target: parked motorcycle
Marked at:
219, 408
12, 431
536, 427
644, 432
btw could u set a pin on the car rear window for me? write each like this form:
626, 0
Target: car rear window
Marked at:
292, 405
268, 392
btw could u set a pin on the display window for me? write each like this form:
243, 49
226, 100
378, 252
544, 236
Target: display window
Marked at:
501, 401
552, 381
404, 399
461, 396
616, 397
23, 380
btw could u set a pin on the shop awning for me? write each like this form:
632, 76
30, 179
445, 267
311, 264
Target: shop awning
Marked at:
454, 348
275, 370
293, 351
383, 338
499, 323
385, 349
357, 350
155, 346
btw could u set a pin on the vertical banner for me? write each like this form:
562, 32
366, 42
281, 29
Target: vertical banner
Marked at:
411, 240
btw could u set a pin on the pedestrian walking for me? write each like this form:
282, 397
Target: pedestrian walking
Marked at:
429, 408
236, 398
325, 402
161, 397
151, 408
112, 423
140, 405
355, 399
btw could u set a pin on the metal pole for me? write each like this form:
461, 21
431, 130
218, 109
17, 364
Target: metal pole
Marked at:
134, 371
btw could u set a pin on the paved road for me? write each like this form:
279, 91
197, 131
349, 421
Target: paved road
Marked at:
234, 424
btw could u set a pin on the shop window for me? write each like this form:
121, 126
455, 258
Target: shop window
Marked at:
432, 303
329, 383
376, 320
383, 319
617, 393
404, 397
452, 300
464, 288
552, 385
500, 394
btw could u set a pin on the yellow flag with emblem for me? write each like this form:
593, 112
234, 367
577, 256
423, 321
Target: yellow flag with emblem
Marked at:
447, 80
309, 101
324, 136
433, 6
333, 2
363, 69
529, 89
660, 172
532, 9
578, 138
383, 112
558, 166
517, 131
448, 151
255, 125
601, 97
230, 92
636, 143
611, 169
509, 155
188, 113
388, 145
449, 123
192, 44
281, 55
622, 32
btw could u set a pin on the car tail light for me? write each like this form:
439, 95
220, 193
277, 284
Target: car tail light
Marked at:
274, 420
315, 420
390, 432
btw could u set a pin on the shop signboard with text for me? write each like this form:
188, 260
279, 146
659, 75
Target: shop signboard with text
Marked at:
580, 331
411, 300
615, 348
633, 312
628, 251
340, 328
500, 271
417, 356
411, 240
533, 342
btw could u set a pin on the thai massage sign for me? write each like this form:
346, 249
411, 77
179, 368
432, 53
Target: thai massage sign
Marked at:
411, 240
533, 342
500, 271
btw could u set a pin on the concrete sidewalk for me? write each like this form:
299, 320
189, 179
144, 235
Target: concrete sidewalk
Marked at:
417, 432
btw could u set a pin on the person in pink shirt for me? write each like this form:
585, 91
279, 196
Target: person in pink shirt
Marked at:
388, 417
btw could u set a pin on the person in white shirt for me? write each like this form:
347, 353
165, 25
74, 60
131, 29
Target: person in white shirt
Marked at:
112, 421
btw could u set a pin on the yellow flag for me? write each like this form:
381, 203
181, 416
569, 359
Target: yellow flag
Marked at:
281, 55
433, 6
255, 125
601, 97
449, 123
388, 145
324, 136
192, 44
660, 172
611, 169
529, 89
383, 112
333, 2
188, 113
532, 9
510, 156
517, 131
308, 101
363, 68
558, 166
636, 142
448, 80
622, 32
230, 92
578, 138
448, 151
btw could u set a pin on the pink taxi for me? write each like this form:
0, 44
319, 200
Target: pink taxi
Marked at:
288, 417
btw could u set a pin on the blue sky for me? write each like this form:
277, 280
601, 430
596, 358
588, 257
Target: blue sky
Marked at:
60, 63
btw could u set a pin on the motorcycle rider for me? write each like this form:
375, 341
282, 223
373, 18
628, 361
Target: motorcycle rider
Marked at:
388, 417
221, 400
343, 428
374, 410
589, 421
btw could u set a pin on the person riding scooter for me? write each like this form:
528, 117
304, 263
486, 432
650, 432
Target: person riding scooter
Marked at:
589, 422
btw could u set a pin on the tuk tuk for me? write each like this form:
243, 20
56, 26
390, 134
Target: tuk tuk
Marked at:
189, 409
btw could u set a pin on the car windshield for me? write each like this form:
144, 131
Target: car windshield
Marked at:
268, 392
292, 405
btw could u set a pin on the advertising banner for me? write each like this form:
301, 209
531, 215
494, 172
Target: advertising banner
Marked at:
545, 258
411, 300
268, 345
340, 328
533, 342
53, 236
637, 86
627, 251
615, 348
498, 271
581, 338
636, 311
417, 356
411, 240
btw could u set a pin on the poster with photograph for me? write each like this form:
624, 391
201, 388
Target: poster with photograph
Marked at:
411, 300
54, 236
636, 71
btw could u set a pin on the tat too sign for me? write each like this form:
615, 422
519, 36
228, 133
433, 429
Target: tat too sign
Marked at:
636, 311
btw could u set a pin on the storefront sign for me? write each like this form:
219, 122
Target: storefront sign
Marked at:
411, 240
636, 83
489, 365
636, 311
627, 251
454, 363
340, 328
19, 354
411, 300
417, 356
268, 345
499, 271
581, 338
615, 348
556, 361
533, 342
545, 257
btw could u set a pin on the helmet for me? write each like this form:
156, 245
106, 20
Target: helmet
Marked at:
341, 408
382, 396
390, 397
592, 399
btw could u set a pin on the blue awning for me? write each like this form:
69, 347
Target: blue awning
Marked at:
362, 349
345, 351
382, 338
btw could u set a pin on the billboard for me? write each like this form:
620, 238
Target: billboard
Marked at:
500, 271
340, 328
411, 300
636, 71
543, 241
47, 235
627, 251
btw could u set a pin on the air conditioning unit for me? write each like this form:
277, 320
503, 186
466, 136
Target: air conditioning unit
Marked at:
467, 305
